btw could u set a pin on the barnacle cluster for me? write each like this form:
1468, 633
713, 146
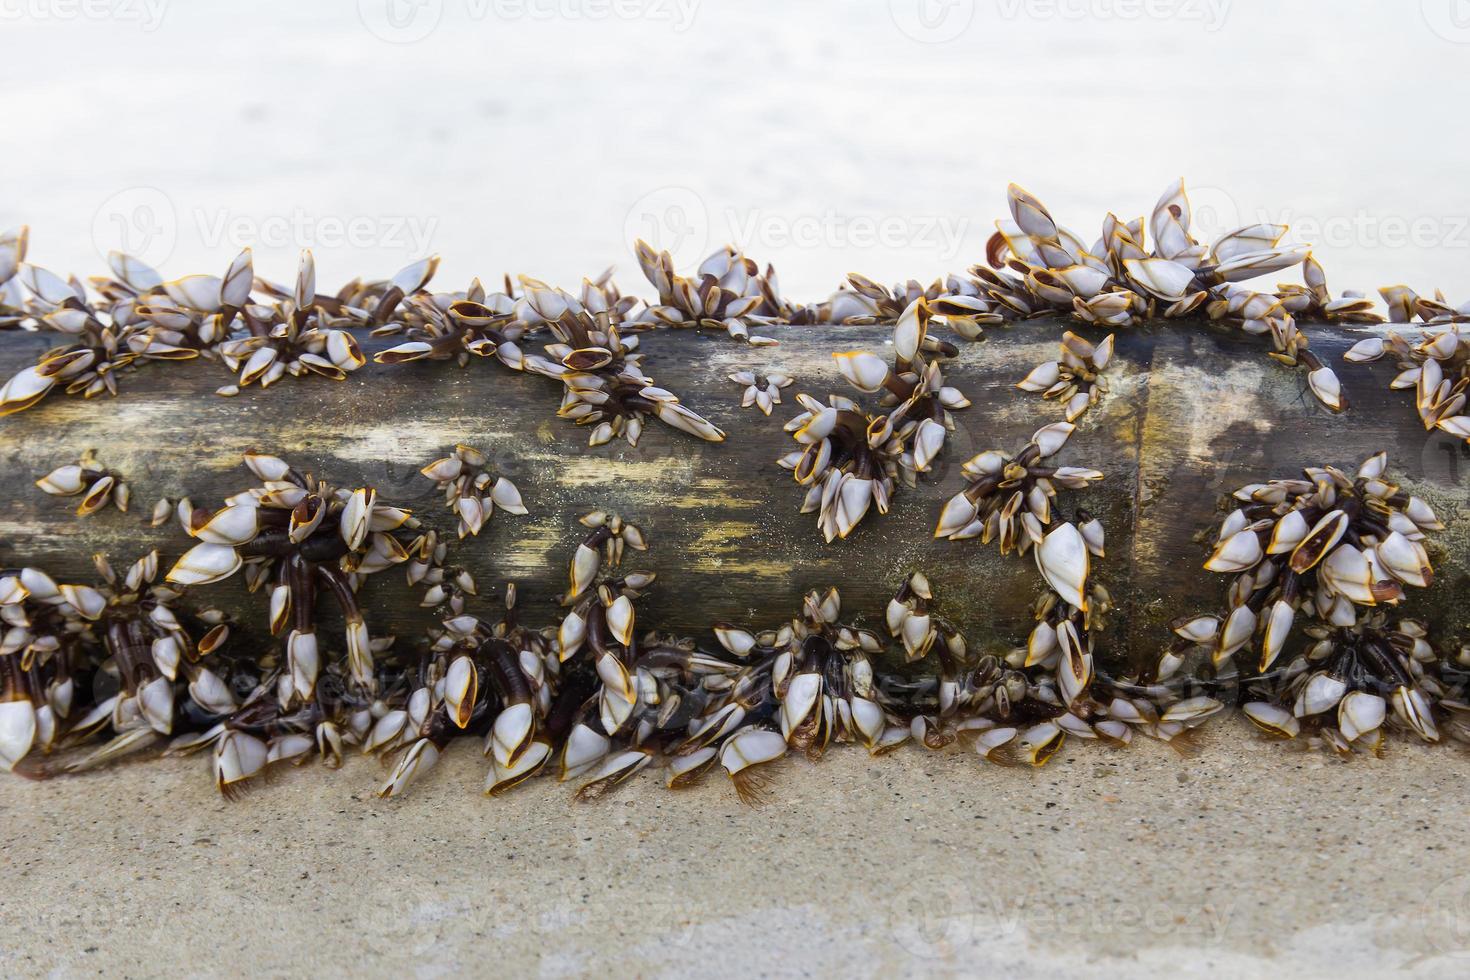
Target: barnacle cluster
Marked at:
1135, 270
299, 535
591, 698
604, 384
472, 489
1329, 555
1076, 378
953, 300
1139, 270
728, 292
1436, 368
263, 332
853, 460
82, 662
90, 480
1009, 497
762, 391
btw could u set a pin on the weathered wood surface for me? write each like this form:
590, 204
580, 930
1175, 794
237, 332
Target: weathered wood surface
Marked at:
1194, 411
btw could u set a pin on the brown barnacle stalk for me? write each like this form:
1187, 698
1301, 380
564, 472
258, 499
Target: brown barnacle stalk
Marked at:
296, 331
853, 460
1075, 379
44, 665
102, 340
97, 485
1266, 314
761, 390
302, 535
472, 489
1436, 368
389, 303
1009, 498
1337, 551
604, 385
728, 293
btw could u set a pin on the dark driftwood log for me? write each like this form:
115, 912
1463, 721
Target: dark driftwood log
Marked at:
1194, 411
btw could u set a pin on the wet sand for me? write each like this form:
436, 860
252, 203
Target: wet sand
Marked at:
1245, 859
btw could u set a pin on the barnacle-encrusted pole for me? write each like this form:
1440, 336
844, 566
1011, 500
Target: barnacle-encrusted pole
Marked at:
1190, 414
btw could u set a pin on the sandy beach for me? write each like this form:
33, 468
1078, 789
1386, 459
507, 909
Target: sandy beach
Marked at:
1249, 858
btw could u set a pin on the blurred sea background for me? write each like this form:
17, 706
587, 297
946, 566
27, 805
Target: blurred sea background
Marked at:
542, 136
